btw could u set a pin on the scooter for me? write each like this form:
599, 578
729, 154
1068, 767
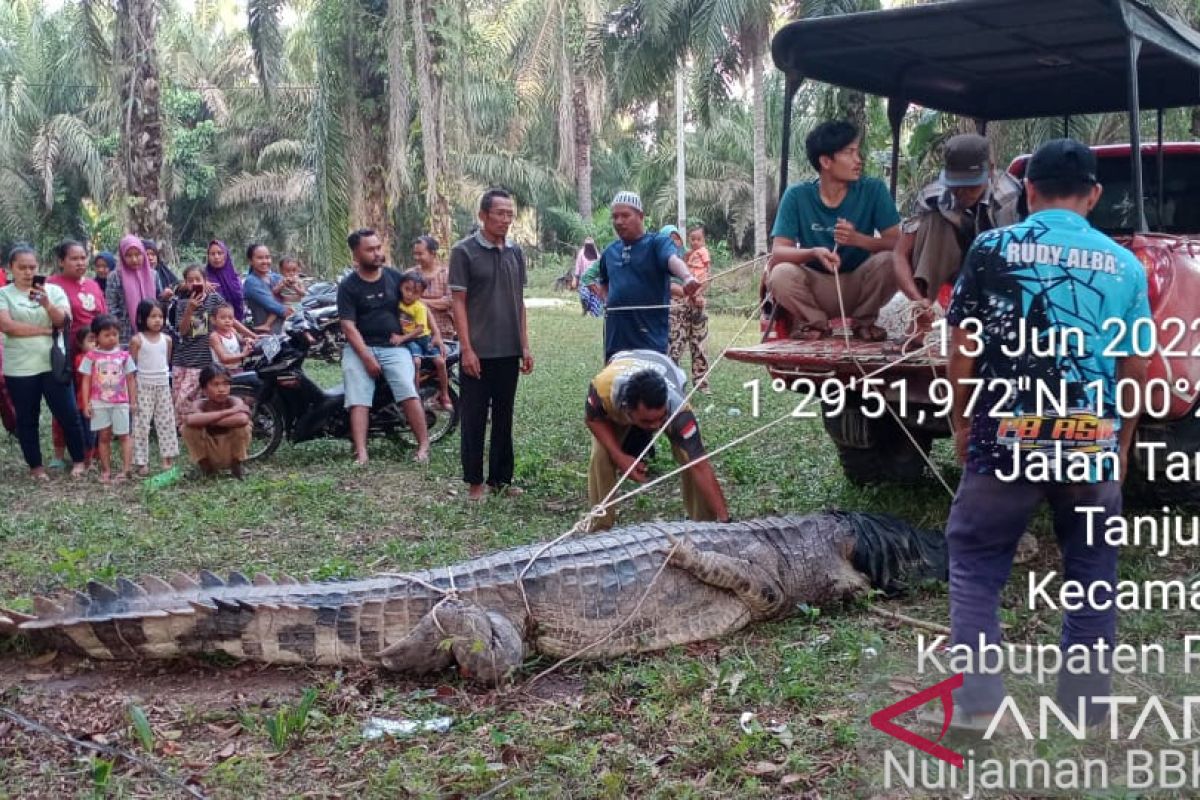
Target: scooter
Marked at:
321, 303
285, 402
329, 339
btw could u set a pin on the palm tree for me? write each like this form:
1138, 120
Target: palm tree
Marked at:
727, 40
432, 112
644, 39
555, 57
51, 156
140, 85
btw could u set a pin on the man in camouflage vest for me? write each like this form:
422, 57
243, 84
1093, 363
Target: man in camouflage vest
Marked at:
969, 197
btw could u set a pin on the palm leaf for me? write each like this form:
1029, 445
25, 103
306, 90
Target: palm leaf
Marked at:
271, 188
266, 40
282, 152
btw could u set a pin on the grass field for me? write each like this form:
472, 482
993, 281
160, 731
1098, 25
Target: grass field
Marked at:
672, 724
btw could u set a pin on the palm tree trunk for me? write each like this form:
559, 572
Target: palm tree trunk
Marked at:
680, 155
367, 122
852, 107
429, 102
583, 148
760, 149
142, 124
399, 103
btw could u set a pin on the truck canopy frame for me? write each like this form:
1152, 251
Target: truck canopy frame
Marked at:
999, 59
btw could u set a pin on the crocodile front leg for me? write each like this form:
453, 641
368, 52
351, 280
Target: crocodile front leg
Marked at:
750, 579
486, 645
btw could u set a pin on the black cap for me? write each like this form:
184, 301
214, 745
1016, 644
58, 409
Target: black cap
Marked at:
968, 161
1065, 160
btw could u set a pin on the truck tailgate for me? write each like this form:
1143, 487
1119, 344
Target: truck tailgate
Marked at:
834, 358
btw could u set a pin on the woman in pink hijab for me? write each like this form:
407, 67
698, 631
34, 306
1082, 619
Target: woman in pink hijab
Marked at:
130, 283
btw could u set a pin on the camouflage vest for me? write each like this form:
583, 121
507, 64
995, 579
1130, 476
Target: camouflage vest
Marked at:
1001, 209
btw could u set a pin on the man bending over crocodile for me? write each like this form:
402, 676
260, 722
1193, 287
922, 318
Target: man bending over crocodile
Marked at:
824, 238
627, 403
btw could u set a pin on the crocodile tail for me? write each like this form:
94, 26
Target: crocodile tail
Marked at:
278, 621
10, 621
895, 555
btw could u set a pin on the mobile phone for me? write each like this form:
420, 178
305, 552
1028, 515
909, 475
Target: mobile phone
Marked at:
39, 281
197, 291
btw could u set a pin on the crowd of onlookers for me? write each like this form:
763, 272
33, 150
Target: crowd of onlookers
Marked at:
135, 347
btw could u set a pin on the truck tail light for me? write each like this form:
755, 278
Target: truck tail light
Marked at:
1156, 259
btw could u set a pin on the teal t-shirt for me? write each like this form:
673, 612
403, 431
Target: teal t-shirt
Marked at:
806, 220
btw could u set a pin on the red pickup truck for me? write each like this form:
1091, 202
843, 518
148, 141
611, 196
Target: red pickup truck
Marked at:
1150, 205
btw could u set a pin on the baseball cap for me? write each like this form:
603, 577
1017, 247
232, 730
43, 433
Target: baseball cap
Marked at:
1064, 160
968, 161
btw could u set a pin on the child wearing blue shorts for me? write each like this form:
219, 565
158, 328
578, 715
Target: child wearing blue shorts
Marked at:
421, 335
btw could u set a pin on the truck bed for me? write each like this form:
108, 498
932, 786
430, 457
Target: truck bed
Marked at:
833, 358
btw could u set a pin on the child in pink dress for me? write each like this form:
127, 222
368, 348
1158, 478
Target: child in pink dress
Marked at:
109, 395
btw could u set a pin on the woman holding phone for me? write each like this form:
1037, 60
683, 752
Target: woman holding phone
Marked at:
191, 315
30, 311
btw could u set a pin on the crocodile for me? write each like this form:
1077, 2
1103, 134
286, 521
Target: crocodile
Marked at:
637, 589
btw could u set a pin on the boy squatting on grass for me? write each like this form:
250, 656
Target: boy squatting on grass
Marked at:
109, 395
216, 427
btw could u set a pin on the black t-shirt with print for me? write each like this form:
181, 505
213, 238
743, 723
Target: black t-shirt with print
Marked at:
373, 306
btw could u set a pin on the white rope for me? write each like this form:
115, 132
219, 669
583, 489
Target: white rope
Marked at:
837, 284
912, 315
613, 630
736, 267
709, 279
645, 487
600, 509
610, 309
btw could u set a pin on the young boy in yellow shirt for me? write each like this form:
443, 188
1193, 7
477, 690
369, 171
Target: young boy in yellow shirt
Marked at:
420, 333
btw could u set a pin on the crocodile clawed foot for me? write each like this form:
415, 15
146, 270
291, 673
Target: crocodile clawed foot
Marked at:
487, 646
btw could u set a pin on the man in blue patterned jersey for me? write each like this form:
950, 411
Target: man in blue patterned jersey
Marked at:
1039, 309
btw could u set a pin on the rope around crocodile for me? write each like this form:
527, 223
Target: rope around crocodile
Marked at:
611, 499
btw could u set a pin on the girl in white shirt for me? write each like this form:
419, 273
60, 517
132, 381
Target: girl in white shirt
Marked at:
151, 352
228, 349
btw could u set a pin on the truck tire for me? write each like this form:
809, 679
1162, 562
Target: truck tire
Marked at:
874, 451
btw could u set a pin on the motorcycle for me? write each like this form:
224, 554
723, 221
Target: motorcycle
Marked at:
328, 337
285, 401
321, 303
320, 295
